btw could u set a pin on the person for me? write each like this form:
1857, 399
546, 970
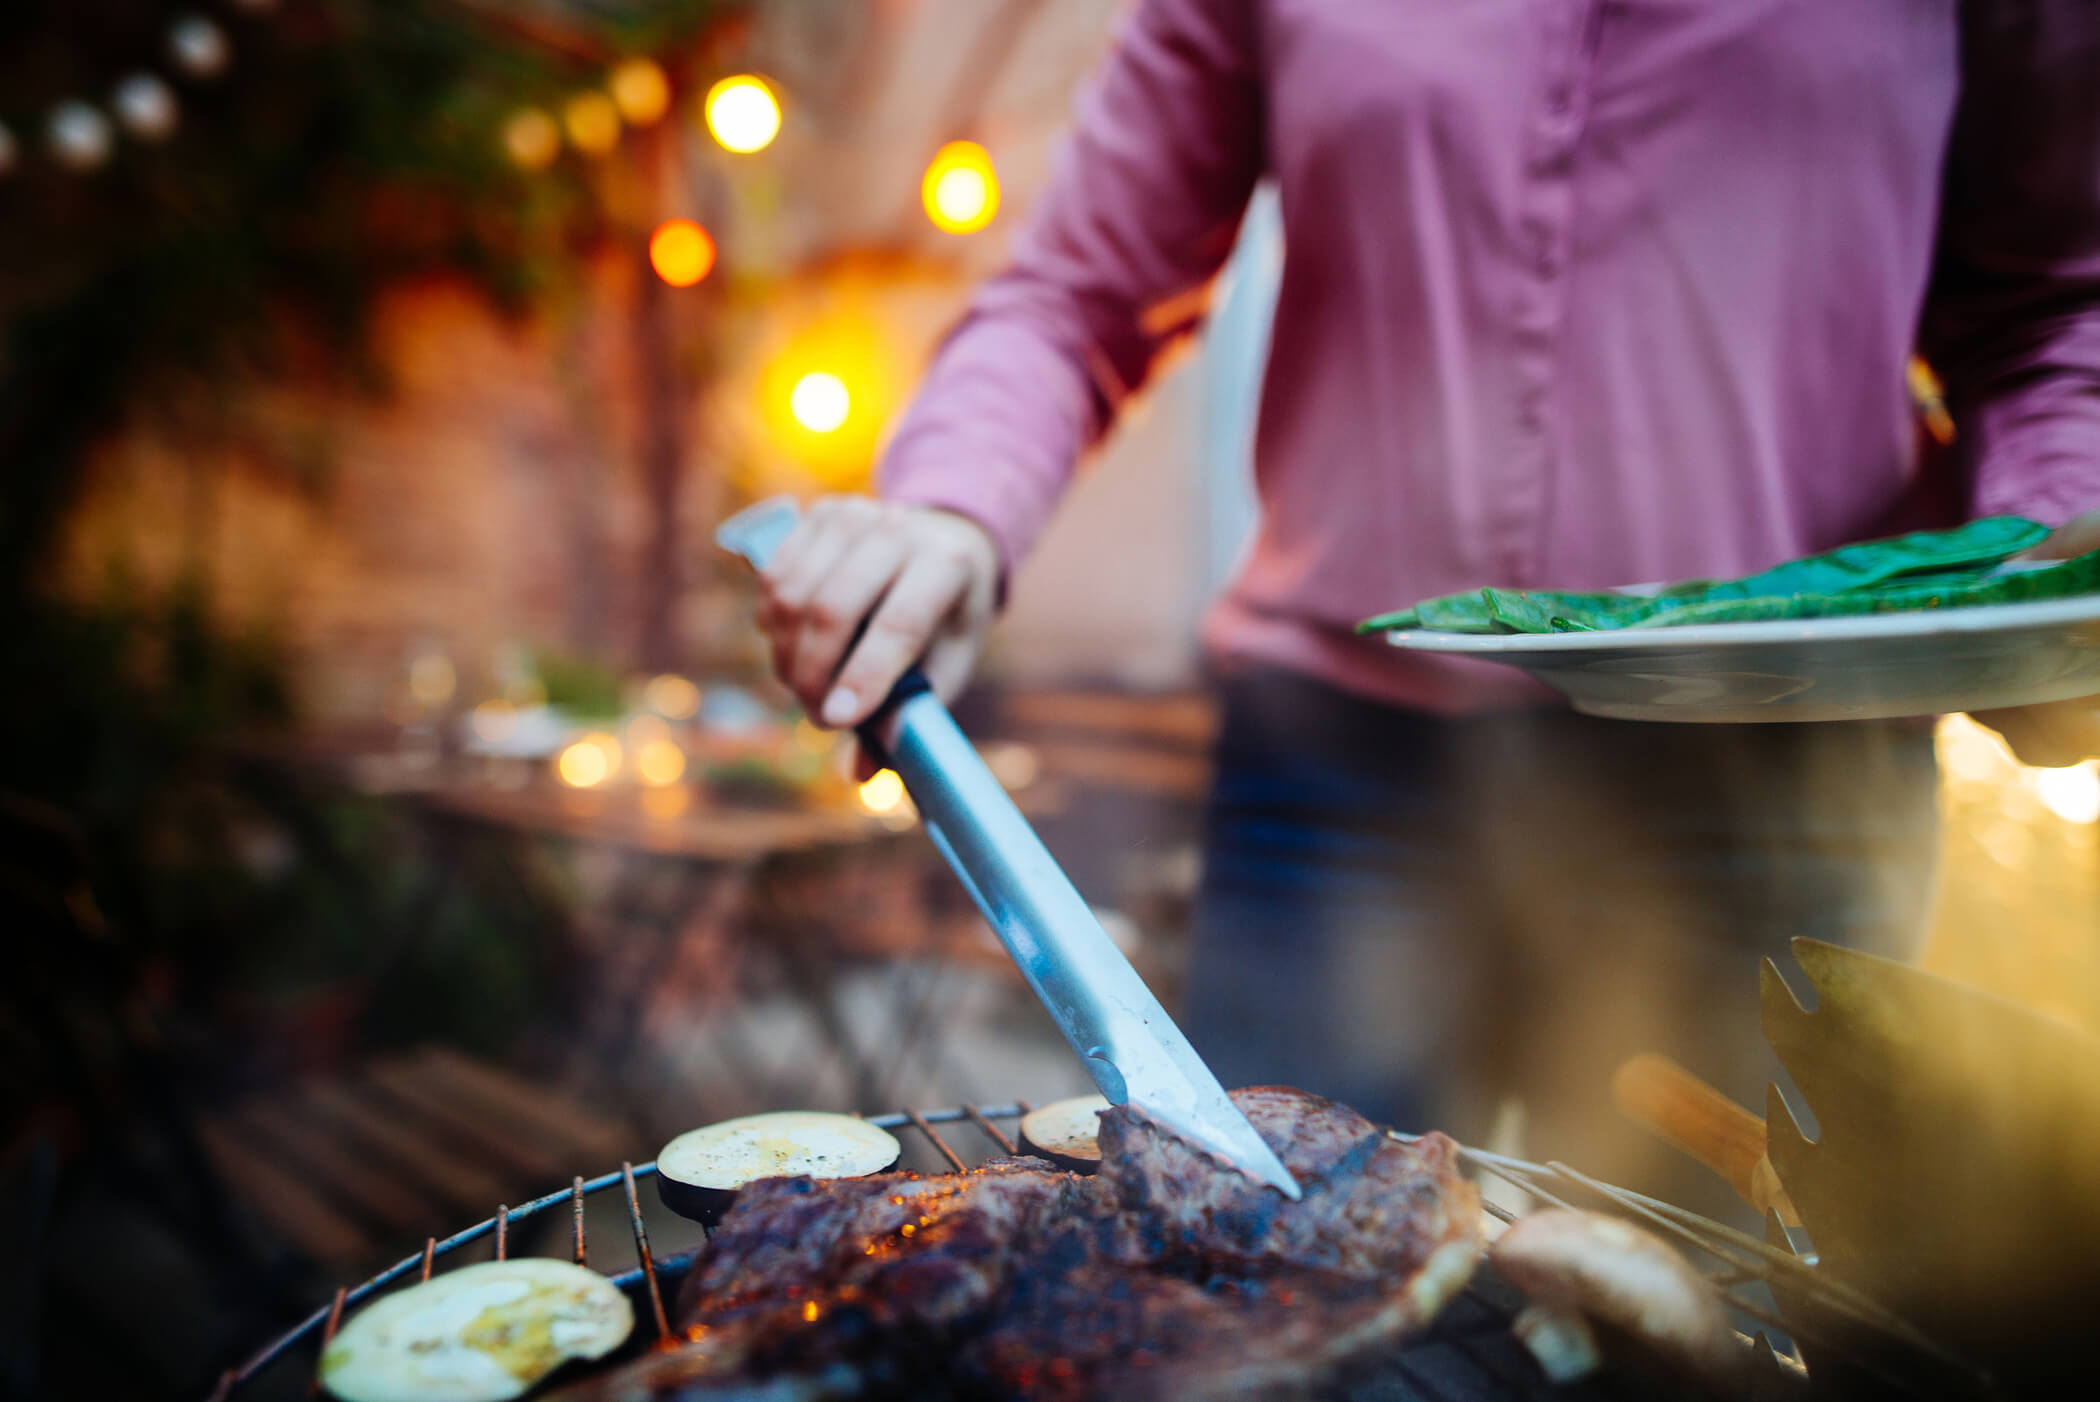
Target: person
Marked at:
1573, 296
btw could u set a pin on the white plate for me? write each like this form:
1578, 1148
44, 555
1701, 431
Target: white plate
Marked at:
1884, 664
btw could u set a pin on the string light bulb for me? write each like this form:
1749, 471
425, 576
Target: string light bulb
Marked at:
960, 189
146, 107
640, 91
681, 252
198, 47
820, 402
78, 135
742, 113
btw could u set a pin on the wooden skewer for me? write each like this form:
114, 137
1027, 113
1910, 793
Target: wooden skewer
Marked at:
1684, 1111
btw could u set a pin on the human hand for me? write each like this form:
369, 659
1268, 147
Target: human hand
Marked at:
2055, 733
921, 579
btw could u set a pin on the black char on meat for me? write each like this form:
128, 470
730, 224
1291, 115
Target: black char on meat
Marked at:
1163, 1276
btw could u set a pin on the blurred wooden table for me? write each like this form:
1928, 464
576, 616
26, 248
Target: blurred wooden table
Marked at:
696, 908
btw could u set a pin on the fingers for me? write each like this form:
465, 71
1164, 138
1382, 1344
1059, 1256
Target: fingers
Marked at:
922, 579
836, 607
799, 567
827, 522
931, 588
809, 553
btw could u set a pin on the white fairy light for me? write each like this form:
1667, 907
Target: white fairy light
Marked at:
146, 107
78, 135
198, 47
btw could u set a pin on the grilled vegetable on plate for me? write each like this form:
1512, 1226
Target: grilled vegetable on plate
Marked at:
1923, 624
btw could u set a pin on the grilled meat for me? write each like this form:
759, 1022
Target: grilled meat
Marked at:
1191, 1282
1165, 1276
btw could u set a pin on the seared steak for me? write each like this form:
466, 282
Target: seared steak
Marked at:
1165, 1276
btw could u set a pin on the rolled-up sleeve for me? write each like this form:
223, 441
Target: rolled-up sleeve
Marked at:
2012, 320
1139, 214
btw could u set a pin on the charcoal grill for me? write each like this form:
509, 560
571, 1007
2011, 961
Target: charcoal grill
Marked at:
1468, 1354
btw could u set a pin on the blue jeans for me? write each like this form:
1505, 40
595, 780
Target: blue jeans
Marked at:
1429, 917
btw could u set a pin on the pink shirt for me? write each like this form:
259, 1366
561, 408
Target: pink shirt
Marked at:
1575, 294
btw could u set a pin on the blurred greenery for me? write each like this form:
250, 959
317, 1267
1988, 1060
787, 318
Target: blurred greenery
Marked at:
349, 145
270, 924
581, 687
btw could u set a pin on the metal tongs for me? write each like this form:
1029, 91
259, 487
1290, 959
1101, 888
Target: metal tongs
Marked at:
1132, 1049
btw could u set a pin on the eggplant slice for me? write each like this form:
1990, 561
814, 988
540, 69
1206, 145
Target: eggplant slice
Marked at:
1066, 1132
482, 1333
699, 1173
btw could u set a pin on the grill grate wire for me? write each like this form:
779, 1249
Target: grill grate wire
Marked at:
322, 1324
1739, 1261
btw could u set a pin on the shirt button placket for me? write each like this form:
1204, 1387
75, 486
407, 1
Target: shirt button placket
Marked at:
1548, 204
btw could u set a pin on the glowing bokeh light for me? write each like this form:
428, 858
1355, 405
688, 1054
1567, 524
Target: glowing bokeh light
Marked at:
593, 123
672, 697
742, 114
820, 402
531, 139
588, 762
2072, 794
960, 196
681, 252
640, 90
432, 680
840, 333
960, 190
494, 721
660, 762
883, 792
1014, 765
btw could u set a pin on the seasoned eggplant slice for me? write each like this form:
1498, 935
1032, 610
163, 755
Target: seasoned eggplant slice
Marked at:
478, 1334
1065, 1132
698, 1173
